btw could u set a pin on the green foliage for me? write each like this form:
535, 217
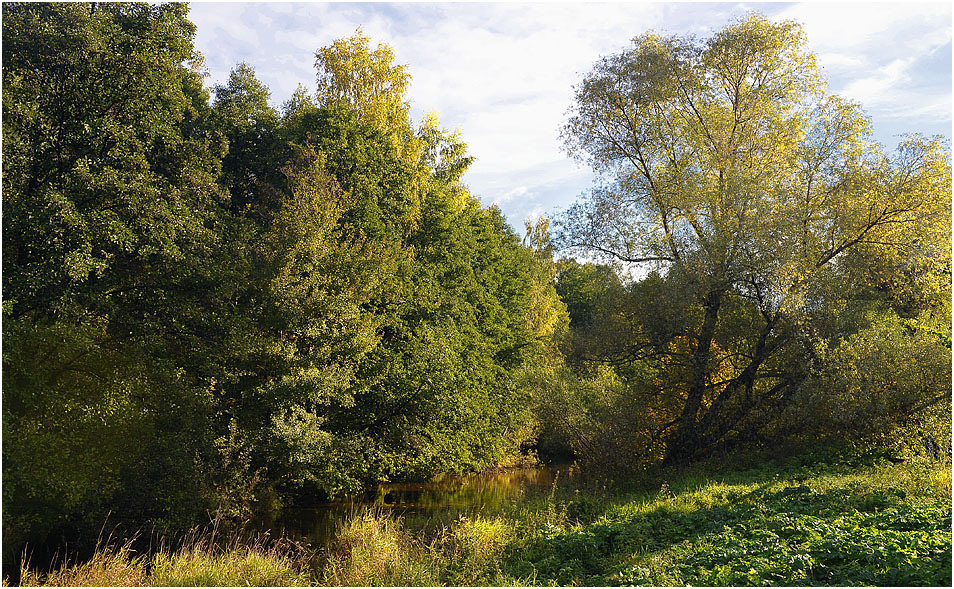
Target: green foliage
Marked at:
876, 543
450, 309
594, 418
251, 170
767, 212
586, 289
216, 307
211, 306
106, 165
886, 382
108, 201
827, 525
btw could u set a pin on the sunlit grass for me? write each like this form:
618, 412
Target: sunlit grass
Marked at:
371, 549
199, 562
108, 568
802, 522
234, 568
821, 523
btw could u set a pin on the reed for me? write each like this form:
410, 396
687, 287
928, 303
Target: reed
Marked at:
201, 559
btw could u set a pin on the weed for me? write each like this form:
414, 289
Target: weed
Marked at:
820, 520
200, 561
371, 549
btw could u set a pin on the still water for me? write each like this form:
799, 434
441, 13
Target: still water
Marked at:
443, 498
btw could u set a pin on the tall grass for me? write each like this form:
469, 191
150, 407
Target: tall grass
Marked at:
371, 549
374, 549
815, 520
199, 561
109, 567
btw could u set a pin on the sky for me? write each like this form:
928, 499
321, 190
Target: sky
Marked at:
503, 73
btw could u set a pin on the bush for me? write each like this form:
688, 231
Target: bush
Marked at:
888, 384
599, 417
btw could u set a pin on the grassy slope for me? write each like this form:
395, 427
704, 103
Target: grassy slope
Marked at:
798, 524
807, 521
803, 522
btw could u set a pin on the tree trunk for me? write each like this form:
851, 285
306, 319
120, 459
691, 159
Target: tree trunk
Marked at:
687, 440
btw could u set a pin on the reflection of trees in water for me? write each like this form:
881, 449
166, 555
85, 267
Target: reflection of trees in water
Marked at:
476, 490
444, 498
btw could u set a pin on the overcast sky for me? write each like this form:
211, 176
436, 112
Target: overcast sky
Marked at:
504, 73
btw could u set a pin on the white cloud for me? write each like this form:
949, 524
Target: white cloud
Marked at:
875, 53
871, 89
520, 191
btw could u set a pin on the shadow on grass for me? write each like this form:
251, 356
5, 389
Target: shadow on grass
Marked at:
762, 526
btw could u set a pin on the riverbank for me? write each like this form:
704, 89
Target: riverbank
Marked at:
807, 520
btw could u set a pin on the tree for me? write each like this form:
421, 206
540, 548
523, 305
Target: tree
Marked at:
435, 389
102, 163
445, 154
586, 290
350, 73
758, 195
110, 202
209, 305
252, 168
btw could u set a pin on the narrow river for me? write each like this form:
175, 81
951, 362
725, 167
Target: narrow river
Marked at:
442, 499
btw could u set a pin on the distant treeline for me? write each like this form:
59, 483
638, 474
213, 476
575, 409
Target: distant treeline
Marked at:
214, 306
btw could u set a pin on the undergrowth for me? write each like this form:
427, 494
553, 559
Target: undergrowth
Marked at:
200, 561
810, 520
807, 522
813, 520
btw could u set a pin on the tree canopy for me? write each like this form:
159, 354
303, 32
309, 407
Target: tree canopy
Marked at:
213, 305
729, 169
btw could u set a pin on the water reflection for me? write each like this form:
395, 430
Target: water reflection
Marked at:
443, 498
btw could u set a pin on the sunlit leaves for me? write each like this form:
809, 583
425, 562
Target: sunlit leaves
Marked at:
101, 160
728, 167
367, 80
